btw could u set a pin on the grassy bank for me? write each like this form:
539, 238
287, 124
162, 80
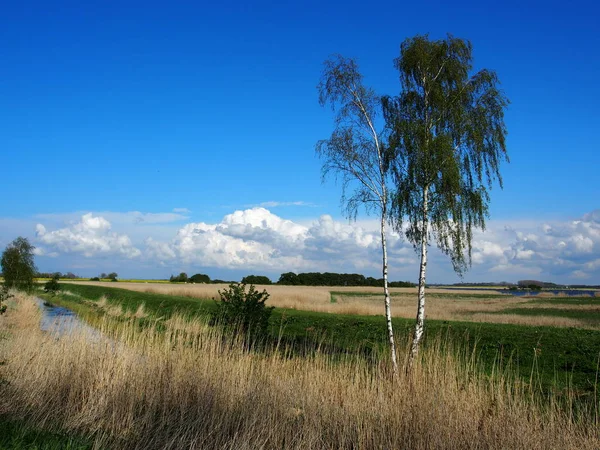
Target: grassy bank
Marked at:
16, 436
188, 386
552, 358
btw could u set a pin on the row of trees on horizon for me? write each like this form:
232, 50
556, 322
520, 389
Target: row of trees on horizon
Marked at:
300, 279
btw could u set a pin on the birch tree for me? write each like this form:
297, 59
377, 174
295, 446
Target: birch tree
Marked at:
355, 152
448, 138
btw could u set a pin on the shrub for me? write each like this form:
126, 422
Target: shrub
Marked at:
244, 311
52, 286
94, 279
4, 295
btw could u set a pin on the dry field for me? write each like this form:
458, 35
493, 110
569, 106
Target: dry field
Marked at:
188, 387
442, 304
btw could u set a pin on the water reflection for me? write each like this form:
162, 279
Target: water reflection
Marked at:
62, 321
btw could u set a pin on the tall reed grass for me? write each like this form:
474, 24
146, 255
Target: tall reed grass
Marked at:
189, 386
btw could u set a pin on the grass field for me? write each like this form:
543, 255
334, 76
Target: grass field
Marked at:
442, 304
164, 380
556, 356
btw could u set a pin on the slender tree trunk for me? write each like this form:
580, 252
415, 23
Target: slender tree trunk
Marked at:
388, 311
414, 349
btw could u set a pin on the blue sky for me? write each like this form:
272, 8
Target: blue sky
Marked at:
153, 118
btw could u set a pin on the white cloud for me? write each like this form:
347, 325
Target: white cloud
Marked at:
181, 210
121, 218
558, 251
91, 236
255, 239
258, 239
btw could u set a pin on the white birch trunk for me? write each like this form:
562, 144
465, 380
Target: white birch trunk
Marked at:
388, 311
419, 326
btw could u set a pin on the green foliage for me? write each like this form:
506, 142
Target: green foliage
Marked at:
52, 286
112, 276
288, 279
16, 434
95, 279
568, 355
256, 279
244, 311
447, 140
335, 279
354, 152
199, 278
4, 295
181, 278
18, 265
159, 305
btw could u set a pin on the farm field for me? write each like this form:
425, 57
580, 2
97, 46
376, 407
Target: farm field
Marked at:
472, 305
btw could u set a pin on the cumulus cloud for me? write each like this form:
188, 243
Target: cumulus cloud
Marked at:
91, 236
566, 250
123, 218
258, 239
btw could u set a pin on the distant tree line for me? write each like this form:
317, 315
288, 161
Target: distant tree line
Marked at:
197, 278
300, 279
256, 279
106, 276
335, 279
68, 275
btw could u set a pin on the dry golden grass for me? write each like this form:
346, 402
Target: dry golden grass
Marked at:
190, 388
441, 304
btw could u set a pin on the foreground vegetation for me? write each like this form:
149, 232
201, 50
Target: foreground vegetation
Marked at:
179, 383
551, 358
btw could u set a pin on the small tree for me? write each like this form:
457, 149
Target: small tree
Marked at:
18, 265
112, 276
52, 286
449, 138
356, 152
246, 311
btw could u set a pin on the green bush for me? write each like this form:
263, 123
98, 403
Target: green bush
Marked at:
246, 312
52, 286
4, 295
94, 279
